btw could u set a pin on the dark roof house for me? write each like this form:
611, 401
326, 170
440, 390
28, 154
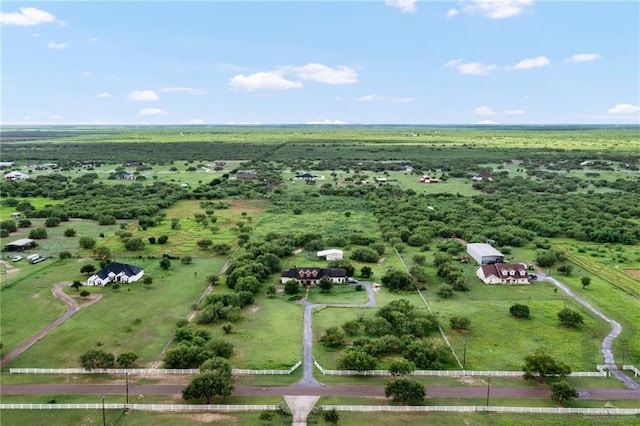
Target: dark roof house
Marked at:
116, 272
312, 275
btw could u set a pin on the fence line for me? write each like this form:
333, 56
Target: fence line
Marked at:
475, 408
446, 373
141, 407
631, 368
159, 371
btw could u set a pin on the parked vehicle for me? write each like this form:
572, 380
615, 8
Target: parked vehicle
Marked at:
352, 280
35, 258
16, 258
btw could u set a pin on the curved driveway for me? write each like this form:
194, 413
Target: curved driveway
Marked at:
616, 329
72, 308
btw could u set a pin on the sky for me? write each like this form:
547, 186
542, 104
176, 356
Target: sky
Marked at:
320, 62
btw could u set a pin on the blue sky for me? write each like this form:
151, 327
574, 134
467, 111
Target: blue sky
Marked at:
331, 62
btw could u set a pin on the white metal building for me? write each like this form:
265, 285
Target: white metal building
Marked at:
484, 254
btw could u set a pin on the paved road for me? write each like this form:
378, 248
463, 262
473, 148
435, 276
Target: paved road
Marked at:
616, 329
299, 390
72, 308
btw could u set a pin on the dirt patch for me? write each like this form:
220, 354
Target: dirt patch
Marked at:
85, 259
633, 273
382, 259
471, 381
9, 268
375, 287
254, 309
214, 418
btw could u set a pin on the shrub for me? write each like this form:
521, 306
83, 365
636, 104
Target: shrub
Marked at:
519, 311
69, 232
38, 234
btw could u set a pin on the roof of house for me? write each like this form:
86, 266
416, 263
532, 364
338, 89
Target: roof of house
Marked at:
246, 175
118, 268
503, 270
329, 251
306, 176
483, 175
483, 249
313, 272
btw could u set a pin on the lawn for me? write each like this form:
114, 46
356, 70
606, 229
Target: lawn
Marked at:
136, 317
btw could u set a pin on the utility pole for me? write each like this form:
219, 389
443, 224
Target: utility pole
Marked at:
464, 356
104, 415
488, 388
126, 377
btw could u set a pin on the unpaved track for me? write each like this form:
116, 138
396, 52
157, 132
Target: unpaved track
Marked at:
72, 308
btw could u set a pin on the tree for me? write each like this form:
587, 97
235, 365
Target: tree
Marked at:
366, 272
570, 318
76, 285
215, 378
428, 354
204, 244
69, 232
333, 338
87, 269
165, 264
459, 322
38, 234
445, 291
325, 284
64, 255
102, 252
147, 280
565, 269
419, 259
52, 221
87, 242
586, 281
163, 239
397, 280
186, 260
540, 365
84, 293
519, 311
563, 391
358, 360
291, 287
96, 358
401, 367
127, 359
404, 390
134, 244
271, 290
331, 416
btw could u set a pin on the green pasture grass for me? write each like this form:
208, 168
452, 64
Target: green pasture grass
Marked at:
327, 222
269, 336
460, 186
136, 317
339, 293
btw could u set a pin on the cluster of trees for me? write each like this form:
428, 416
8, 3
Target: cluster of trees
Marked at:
97, 358
451, 272
397, 328
193, 348
224, 306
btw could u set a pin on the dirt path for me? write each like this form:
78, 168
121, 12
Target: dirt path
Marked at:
72, 308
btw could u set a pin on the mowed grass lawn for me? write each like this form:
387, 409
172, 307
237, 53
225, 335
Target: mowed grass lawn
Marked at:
136, 317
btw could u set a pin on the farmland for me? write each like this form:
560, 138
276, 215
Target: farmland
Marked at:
561, 190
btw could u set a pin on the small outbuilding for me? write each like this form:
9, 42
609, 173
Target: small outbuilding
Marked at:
16, 176
484, 254
331, 254
22, 244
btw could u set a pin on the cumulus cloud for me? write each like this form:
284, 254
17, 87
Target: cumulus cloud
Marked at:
584, 57
54, 45
184, 90
624, 109
104, 95
195, 121
270, 80
326, 121
152, 111
87, 74
514, 112
324, 74
374, 98
27, 16
405, 6
143, 96
497, 9
483, 110
368, 98
537, 62
452, 12
486, 122
472, 68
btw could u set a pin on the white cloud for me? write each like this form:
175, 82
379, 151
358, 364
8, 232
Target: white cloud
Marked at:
537, 62
624, 109
270, 80
184, 90
368, 98
374, 98
452, 12
406, 6
584, 57
104, 95
54, 45
87, 74
514, 112
483, 110
497, 9
324, 74
93, 39
472, 68
55, 117
143, 96
26, 17
152, 111
486, 122
36, 35
195, 121
401, 100
326, 121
